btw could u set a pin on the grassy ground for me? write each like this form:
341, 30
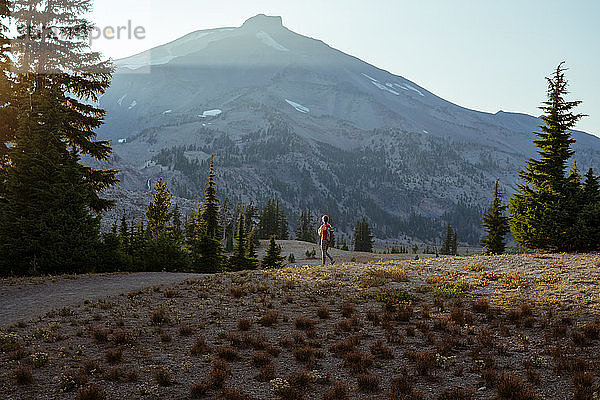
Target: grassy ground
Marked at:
508, 327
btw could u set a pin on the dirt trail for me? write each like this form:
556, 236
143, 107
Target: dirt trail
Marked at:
28, 298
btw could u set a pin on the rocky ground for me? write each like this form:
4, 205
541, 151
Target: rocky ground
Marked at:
508, 327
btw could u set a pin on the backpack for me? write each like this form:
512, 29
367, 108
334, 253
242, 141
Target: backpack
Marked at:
326, 233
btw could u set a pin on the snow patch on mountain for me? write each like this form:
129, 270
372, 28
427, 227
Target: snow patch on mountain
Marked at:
385, 88
408, 87
371, 78
269, 41
133, 104
167, 112
120, 101
298, 107
415, 90
211, 113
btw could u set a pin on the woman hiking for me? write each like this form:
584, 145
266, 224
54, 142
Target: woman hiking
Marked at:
326, 234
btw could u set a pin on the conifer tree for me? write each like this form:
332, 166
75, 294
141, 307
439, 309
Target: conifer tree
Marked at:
543, 212
159, 210
273, 258
450, 244
205, 244
587, 228
305, 230
241, 260
44, 221
496, 224
363, 240
45, 226
177, 226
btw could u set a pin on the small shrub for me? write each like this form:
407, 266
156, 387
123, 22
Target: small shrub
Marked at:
89, 366
424, 362
303, 323
348, 310
305, 354
357, 361
159, 317
219, 373
512, 387
266, 373
244, 324
323, 312
368, 383
339, 391
227, 353
269, 319
186, 330
23, 375
91, 392
99, 334
114, 355
199, 389
199, 347
381, 351
162, 377
400, 386
170, 293
260, 358
121, 336
238, 291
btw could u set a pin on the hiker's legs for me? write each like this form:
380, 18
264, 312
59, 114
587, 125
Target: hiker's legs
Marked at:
324, 253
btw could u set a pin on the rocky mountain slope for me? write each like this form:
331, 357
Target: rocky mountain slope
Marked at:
288, 116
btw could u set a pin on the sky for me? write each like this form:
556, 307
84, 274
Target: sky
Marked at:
484, 55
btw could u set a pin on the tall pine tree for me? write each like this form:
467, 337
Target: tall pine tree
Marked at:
496, 224
205, 241
363, 240
55, 81
543, 212
159, 209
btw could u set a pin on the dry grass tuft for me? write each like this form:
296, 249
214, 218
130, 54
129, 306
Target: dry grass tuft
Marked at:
368, 383
269, 319
91, 392
162, 377
23, 375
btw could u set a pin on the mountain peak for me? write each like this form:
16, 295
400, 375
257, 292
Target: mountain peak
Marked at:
262, 21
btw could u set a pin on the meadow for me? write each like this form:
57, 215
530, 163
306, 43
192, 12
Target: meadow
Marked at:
482, 327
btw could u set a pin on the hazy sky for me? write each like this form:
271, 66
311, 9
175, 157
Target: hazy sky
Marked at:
485, 55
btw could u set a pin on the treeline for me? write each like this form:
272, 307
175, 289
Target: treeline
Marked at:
165, 240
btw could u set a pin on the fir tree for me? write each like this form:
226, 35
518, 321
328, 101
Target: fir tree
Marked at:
159, 210
205, 244
273, 258
177, 225
363, 240
543, 212
587, 228
45, 222
240, 260
450, 244
496, 224
45, 226
305, 230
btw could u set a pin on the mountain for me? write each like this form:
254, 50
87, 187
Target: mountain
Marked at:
288, 116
